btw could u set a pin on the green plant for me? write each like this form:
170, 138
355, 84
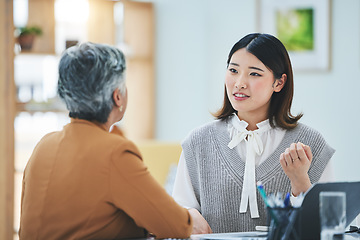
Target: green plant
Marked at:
26, 36
30, 30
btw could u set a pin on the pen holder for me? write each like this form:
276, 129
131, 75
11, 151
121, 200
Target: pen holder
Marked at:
282, 223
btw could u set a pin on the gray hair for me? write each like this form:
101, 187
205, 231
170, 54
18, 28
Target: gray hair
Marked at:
88, 76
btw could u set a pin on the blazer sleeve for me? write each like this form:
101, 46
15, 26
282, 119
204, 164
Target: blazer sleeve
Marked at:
138, 194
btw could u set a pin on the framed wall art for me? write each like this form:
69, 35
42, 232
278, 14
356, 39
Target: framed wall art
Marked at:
303, 27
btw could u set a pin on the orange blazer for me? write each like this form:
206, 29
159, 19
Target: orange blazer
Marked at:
86, 183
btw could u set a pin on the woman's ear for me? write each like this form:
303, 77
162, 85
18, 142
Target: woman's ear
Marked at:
117, 97
280, 83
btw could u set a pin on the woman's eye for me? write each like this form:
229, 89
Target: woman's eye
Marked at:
233, 70
255, 74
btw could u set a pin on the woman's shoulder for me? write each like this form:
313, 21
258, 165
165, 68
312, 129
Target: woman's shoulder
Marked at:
308, 134
306, 129
49, 140
121, 144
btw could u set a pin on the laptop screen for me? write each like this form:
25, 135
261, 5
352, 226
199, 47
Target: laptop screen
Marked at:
309, 220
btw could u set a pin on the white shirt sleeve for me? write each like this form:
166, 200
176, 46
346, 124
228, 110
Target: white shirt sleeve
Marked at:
328, 173
183, 191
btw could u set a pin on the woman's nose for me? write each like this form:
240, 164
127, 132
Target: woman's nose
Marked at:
241, 82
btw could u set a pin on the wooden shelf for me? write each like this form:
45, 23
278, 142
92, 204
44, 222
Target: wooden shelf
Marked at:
53, 105
42, 14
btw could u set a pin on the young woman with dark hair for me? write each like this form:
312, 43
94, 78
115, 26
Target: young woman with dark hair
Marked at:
277, 60
255, 138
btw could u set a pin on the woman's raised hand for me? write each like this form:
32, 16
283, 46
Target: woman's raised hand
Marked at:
295, 162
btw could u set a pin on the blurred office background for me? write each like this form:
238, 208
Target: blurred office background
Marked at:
176, 53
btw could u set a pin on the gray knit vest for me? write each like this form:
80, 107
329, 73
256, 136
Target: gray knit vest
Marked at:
216, 173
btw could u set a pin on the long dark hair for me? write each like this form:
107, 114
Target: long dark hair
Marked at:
272, 53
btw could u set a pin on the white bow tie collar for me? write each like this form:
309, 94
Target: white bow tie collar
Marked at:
254, 146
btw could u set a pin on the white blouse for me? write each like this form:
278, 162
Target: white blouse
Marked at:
254, 147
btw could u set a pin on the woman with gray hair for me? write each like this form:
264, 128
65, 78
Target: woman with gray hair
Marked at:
84, 182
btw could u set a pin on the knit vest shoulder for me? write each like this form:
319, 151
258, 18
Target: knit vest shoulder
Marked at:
216, 173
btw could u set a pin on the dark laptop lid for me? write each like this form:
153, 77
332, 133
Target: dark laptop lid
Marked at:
309, 219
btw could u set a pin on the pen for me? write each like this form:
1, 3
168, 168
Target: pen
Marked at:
287, 200
263, 195
262, 192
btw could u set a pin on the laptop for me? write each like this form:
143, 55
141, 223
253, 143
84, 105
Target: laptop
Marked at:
308, 223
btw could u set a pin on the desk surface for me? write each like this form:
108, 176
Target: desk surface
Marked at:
237, 236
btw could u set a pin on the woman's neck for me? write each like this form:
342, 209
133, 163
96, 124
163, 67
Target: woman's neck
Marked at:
114, 117
107, 126
252, 120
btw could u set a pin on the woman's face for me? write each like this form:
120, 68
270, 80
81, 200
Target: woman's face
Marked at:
249, 84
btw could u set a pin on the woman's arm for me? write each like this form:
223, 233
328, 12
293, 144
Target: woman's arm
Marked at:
141, 197
296, 161
183, 193
326, 176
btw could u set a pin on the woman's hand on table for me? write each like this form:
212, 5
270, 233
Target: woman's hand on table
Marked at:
200, 225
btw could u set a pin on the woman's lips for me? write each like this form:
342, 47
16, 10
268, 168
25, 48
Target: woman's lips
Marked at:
240, 96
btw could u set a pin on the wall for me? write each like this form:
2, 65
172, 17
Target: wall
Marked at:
193, 39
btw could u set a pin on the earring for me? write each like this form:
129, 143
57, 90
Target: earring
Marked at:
121, 108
